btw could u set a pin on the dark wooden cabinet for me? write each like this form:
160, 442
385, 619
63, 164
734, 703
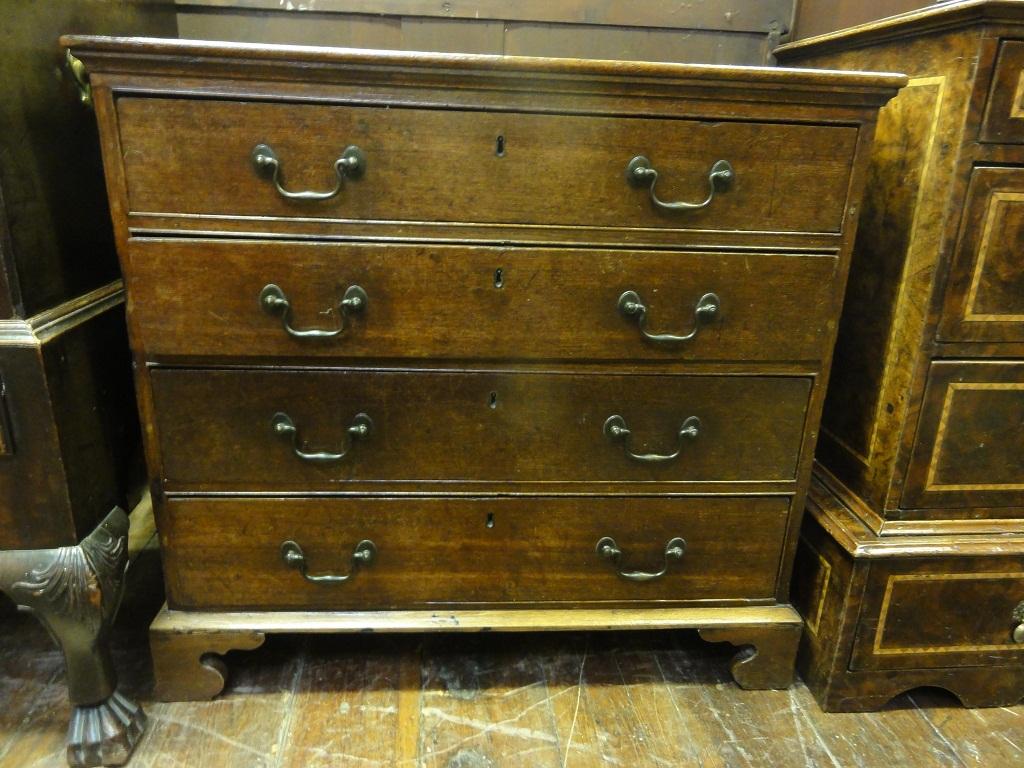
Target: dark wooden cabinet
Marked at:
910, 571
419, 348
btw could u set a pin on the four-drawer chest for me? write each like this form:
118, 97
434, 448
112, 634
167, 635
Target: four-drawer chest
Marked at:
454, 342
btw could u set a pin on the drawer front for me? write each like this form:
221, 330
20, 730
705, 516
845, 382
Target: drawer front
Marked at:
1004, 115
227, 553
985, 298
969, 450
942, 613
216, 430
191, 156
483, 303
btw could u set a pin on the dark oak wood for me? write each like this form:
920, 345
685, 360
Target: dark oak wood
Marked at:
226, 554
488, 394
443, 165
496, 426
485, 303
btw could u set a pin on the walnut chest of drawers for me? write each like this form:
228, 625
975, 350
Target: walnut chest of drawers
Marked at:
434, 341
911, 570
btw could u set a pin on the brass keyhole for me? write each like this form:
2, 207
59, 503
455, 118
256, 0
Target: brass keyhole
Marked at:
492, 401
499, 277
499, 146
490, 520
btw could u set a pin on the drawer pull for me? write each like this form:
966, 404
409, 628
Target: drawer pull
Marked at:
704, 311
282, 424
274, 302
615, 429
609, 550
1018, 619
640, 172
294, 557
351, 164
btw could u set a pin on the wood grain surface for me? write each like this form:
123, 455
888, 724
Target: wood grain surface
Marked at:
444, 165
645, 700
485, 303
226, 553
498, 426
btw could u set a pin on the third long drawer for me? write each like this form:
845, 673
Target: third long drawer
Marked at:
306, 430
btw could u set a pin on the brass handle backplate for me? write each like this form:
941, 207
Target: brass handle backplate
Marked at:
294, 557
351, 165
640, 172
609, 550
360, 427
274, 302
704, 311
1018, 619
615, 429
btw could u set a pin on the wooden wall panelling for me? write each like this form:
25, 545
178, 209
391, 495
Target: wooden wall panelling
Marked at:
732, 32
819, 17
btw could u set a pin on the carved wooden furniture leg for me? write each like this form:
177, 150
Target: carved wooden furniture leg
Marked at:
767, 656
186, 662
75, 592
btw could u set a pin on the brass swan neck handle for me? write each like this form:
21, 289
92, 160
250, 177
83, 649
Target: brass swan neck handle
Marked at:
615, 429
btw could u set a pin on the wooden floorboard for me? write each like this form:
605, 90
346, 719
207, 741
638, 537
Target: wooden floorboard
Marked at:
561, 700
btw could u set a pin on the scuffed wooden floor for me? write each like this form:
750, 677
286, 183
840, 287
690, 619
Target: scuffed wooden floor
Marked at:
489, 701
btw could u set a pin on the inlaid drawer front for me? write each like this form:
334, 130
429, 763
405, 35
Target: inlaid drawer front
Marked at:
476, 302
325, 430
405, 552
970, 442
985, 298
350, 163
1004, 116
941, 613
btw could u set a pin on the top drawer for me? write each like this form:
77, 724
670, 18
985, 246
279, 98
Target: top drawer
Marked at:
194, 158
1004, 116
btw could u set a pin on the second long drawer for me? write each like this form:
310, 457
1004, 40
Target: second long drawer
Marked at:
309, 430
202, 299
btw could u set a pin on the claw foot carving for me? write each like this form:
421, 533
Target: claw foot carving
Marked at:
75, 593
105, 734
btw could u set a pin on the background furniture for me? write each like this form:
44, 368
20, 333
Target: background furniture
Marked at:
69, 438
911, 568
400, 323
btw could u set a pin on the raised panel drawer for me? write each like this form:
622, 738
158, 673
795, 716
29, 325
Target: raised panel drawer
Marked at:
216, 429
985, 298
1004, 115
969, 450
932, 614
227, 553
202, 300
192, 157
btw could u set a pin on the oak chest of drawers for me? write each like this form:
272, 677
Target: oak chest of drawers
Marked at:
911, 569
421, 345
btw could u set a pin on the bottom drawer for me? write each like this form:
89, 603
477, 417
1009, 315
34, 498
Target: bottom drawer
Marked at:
942, 613
228, 553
